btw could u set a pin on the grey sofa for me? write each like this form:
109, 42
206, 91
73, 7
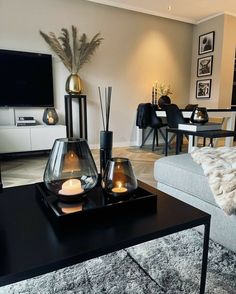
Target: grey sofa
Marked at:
181, 177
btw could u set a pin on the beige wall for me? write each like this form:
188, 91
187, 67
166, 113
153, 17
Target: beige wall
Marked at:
223, 61
227, 63
137, 50
216, 24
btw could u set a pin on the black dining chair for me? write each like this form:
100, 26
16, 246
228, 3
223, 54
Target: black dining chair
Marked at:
146, 117
191, 106
174, 117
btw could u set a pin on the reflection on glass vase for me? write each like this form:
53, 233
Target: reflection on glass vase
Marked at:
119, 179
50, 116
199, 115
70, 171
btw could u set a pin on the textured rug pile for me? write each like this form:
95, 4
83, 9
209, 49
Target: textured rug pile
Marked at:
219, 165
168, 265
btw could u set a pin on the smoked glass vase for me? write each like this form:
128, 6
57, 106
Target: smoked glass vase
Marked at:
199, 115
70, 171
50, 116
119, 179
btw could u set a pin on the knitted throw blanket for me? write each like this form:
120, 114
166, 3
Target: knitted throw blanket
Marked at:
219, 165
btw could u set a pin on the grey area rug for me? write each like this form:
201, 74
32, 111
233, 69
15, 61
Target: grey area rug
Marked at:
167, 265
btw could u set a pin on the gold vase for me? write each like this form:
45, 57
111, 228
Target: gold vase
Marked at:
74, 84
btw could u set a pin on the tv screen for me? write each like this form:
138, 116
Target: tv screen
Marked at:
25, 79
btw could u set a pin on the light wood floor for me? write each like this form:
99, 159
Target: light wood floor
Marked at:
29, 169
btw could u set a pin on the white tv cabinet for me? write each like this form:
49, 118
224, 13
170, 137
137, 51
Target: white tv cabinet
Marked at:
29, 138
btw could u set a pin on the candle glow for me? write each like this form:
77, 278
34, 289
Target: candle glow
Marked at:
51, 120
71, 187
119, 188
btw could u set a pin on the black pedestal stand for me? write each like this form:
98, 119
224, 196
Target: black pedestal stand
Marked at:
105, 149
82, 103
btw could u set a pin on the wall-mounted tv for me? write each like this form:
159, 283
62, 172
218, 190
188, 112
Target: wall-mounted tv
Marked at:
25, 79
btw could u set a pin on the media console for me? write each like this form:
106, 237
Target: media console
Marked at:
29, 138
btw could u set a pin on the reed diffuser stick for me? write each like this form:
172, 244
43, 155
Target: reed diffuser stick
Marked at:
100, 97
107, 107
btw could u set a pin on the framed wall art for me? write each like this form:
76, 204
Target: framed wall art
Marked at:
203, 88
204, 66
206, 43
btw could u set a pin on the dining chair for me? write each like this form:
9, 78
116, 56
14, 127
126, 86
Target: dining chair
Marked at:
146, 117
174, 117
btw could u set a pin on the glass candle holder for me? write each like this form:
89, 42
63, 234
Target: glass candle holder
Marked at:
199, 115
50, 116
70, 171
119, 179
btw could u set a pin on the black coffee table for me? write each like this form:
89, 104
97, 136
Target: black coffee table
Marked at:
31, 245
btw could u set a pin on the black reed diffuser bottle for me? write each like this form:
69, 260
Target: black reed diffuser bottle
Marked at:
106, 136
0, 179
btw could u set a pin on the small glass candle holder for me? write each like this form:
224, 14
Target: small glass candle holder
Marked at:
70, 171
199, 115
119, 179
50, 116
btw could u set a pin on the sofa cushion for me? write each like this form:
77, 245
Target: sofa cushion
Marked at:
182, 173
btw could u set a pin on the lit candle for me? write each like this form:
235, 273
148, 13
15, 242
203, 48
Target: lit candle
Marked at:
153, 94
71, 187
50, 120
156, 93
119, 188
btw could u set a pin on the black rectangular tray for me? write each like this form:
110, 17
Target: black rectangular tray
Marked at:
97, 204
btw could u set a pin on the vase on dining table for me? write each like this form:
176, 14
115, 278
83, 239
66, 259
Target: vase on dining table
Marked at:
199, 115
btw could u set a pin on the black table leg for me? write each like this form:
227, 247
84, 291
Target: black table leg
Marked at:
82, 104
204, 257
68, 116
166, 142
177, 145
85, 119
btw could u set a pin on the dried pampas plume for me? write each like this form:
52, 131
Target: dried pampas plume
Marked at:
74, 52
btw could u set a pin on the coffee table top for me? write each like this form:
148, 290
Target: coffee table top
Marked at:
31, 245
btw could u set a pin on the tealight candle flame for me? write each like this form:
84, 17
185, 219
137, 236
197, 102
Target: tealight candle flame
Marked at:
71, 187
119, 188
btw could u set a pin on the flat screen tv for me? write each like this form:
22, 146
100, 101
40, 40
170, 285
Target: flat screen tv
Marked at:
25, 79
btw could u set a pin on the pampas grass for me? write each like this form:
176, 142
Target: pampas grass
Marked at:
74, 52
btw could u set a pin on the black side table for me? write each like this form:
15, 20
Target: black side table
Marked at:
82, 104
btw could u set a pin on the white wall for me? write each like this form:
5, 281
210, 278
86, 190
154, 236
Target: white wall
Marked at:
137, 50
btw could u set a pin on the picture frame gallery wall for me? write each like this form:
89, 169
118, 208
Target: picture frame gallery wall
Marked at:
205, 65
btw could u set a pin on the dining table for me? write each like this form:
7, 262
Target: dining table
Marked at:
226, 114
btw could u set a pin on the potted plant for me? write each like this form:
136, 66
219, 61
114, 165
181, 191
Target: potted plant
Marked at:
74, 52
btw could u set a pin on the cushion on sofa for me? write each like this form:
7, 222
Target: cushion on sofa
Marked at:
182, 173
